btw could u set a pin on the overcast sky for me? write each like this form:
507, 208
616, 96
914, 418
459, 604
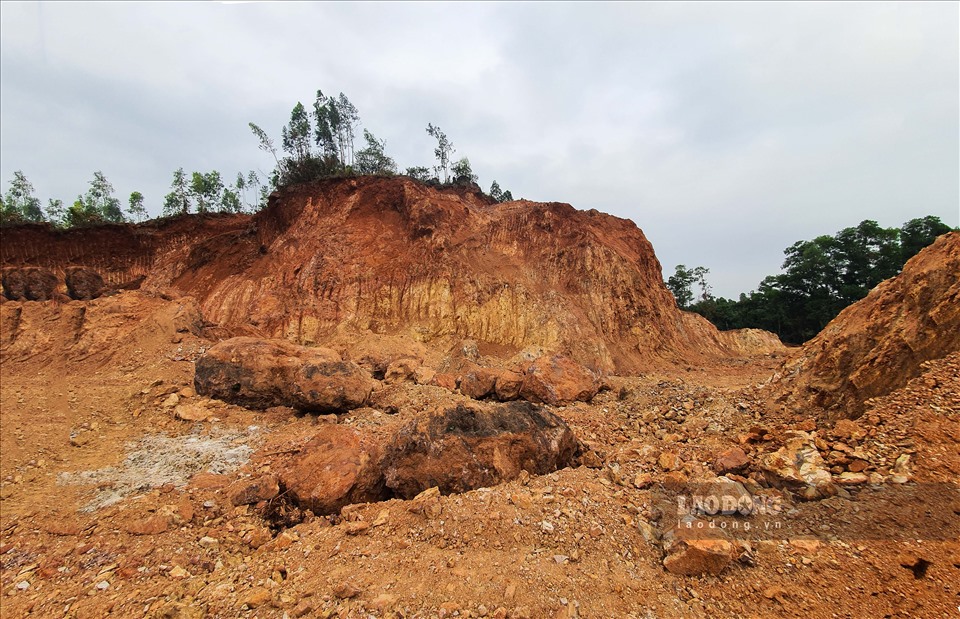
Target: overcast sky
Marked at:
725, 131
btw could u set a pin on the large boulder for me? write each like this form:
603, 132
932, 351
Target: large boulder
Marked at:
558, 380
474, 446
30, 284
477, 382
84, 284
338, 467
264, 373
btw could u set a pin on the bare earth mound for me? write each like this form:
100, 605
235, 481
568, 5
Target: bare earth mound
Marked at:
396, 257
877, 344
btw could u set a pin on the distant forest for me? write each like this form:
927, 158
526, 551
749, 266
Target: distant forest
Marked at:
819, 279
313, 145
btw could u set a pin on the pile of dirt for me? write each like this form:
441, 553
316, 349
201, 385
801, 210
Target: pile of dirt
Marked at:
879, 343
391, 256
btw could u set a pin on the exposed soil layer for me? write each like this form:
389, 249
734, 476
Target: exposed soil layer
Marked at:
396, 257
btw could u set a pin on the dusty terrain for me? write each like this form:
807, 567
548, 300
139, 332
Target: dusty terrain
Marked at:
123, 492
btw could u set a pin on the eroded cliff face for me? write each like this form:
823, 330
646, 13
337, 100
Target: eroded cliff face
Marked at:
879, 343
396, 257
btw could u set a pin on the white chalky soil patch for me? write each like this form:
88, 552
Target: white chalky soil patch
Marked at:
157, 460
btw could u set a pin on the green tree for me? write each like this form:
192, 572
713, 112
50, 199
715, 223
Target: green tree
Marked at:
19, 203
372, 159
463, 173
680, 285
495, 192
266, 143
136, 209
296, 135
918, 233
177, 202
420, 173
100, 200
207, 190
56, 212
443, 151
82, 213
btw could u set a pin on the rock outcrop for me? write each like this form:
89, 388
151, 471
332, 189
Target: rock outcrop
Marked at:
876, 345
264, 373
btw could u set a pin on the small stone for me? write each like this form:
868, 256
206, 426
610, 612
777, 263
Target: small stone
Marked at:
346, 590
546, 527
849, 430
179, 573
250, 491
591, 460
902, 465
356, 528
852, 479
188, 392
103, 585
191, 412
23, 585
643, 480
561, 559
258, 596
858, 466
668, 461
171, 401
209, 542
383, 601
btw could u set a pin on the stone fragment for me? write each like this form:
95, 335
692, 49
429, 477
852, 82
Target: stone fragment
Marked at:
733, 460
250, 491
400, 370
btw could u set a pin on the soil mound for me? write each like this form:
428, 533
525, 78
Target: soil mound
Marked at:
878, 344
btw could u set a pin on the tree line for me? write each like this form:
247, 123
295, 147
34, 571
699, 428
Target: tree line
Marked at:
320, 144
820, 278
313, 145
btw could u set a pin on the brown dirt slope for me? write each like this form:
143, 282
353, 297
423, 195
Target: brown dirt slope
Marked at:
876, 345
396, 257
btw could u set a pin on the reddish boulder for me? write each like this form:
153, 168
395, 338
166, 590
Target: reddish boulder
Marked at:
693, 548
400, 370
84, 284
732, 460
508, 385
30, 284
474, 446
264, 373
558, 380
444, 380
337, 467
477, 382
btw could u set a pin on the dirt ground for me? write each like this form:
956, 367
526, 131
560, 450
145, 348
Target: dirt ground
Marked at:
112, 506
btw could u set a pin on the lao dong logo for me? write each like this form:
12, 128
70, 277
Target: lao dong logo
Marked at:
720, 504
